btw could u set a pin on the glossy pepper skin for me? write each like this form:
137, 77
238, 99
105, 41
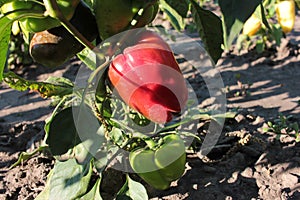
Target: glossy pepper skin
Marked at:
14, 9
159, 167
114, 16
285, 11
40, 24
148, 78
251, 26
55, 46
37, 23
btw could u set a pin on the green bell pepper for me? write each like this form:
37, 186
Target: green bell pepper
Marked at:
16, 9
159, 167
31, 16
114, 16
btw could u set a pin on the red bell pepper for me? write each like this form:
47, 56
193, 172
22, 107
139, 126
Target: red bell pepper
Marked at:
148, 78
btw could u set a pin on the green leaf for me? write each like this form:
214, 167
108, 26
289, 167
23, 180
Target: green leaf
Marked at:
25, 156
297, 135
90, 130
4, 1
298, 3
89, 3
116, 135
260, 46
132, 190
263, 17
5, 30
81, 153
62, 134
94, 193
277, 33
210, 30
175, 19
265, 129
180, 6
235, 13
46, 191
88, 57
69, 180
62, 81
45, 89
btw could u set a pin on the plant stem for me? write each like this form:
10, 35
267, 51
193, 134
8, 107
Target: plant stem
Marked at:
54, 11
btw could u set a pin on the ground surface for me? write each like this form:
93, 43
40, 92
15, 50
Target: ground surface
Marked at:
246, 163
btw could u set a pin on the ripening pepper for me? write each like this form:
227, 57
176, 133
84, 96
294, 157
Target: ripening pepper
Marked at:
251, 26
55, 46
114, 16
285, 11
148, 78
159, 167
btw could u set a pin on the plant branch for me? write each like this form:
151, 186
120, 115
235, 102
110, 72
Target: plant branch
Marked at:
55, 12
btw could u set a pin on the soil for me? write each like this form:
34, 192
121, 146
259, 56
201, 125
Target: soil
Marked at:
246, 163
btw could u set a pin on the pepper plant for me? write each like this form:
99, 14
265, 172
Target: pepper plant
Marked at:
129, 110
270, 22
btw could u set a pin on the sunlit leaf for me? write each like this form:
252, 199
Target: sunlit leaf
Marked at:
175, 18
181, 6
132, 190
46, 191
4, 1
94, 193
68, 180
235, 13
45, 89
297, 3
5, 30
88, 57
26, 155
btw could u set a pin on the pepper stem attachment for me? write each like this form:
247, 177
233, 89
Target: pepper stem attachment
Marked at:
150, 143
54, 11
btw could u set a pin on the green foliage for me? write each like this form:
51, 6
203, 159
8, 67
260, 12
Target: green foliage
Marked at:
132, 190
283, 126
94, 193
297, 3
270, 33
180, 6
210, 30
25, 156
67, 180
61, 87
18, 53
176, 19
84, 127
62, 134
235, 13
5, 29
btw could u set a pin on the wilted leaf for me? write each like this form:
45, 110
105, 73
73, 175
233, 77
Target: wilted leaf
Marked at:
25, 156
45, 89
